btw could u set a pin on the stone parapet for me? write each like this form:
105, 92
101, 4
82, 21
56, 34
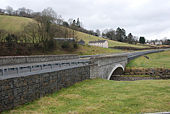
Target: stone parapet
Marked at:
10, 60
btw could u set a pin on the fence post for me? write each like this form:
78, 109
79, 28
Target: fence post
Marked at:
30, 68
3, 72
18, 70
51, 66
41, 67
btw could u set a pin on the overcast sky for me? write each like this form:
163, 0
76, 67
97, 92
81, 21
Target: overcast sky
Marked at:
149, 18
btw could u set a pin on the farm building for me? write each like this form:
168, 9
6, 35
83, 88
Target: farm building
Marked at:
99, 43
65, 39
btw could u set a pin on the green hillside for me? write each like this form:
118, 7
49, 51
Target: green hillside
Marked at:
13, 23
87, 38
82, 50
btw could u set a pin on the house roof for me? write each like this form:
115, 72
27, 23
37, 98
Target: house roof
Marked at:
64, 38
99, 41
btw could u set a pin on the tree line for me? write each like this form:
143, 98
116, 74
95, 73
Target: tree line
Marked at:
75, 24
49, 25
38, 34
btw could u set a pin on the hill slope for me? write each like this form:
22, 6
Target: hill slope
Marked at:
13, 23
82, 50
87, 38
16, 24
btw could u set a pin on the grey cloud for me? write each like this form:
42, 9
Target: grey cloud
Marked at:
141, 17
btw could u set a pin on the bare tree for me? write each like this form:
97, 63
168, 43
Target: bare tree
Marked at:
46, 23
59, 20
29, 12
98, 32
22, 12
70, 21
31, 30
1, 11
9, 10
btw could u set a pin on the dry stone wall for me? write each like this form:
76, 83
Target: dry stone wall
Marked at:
150, 71
124, 78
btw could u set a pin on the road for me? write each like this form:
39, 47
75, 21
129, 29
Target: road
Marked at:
9, 71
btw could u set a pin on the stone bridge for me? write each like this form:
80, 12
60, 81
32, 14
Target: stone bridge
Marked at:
101, 66
106, 66
24, 79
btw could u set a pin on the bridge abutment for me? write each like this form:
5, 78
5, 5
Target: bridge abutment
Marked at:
103, 67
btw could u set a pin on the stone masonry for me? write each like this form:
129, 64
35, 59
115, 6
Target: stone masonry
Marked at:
102, 66
124, 78
9, 60
162, 72
20, 90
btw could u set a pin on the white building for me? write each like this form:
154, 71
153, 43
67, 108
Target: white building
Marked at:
99, 43
156, 42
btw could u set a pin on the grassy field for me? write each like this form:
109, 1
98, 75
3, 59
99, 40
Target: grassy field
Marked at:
83, 50
156, 60
13, 23
103, 97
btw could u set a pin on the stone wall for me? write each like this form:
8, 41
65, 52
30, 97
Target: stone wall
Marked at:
9, 60
102, 66
124, 78
150, 71
17, 91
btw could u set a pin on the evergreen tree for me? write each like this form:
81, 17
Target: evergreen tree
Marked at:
120, 34
142, 40
78, 22
130, 38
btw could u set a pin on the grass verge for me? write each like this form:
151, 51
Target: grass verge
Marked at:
82, 50
156, 60
102, 96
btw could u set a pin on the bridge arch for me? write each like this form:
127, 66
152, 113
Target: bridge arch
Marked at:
117, 69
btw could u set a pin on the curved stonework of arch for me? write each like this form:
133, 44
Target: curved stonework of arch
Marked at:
114, 69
